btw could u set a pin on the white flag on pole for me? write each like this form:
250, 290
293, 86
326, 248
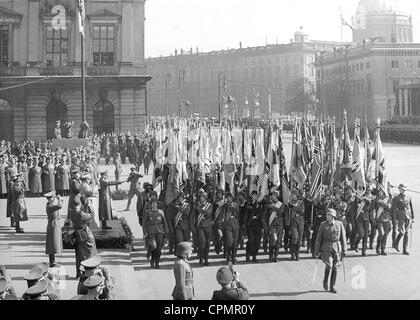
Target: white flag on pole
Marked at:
81, 15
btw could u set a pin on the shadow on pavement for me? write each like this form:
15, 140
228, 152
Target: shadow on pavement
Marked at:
284, 294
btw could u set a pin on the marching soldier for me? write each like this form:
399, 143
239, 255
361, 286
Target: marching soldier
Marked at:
232, 288
254, 225
183, 273
230, 227
243, 213
135, 187
331, 246
19, 209
217, 220
54, 241
297, 222
105, 209
203, 226
181, 219
383, 218
121, 147
155, 228
320, 208
350, 214
92, 267
403, 213
362, 220
273, 222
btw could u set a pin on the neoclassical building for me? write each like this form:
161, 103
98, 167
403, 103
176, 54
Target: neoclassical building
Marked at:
40, 66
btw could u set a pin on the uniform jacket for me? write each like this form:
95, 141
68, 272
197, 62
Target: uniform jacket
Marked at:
203, 215
364, 214
217, 214
74, 190
402, 207
239, 293
230, 216
331, 237
383, 210
181, 216
154, 221
183, 273
255, 215
273, 216
105, 209
134, 178
54, 242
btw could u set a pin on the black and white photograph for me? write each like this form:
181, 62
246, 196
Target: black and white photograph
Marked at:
216, 151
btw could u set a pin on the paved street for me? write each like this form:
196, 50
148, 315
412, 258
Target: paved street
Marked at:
392, 277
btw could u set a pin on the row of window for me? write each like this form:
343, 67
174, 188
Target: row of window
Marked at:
58, 46
404, 64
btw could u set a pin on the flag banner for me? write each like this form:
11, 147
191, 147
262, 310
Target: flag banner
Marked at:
237, 145
367, 151
345, 153
378, 157
318, 163
358, 174
216, 147
259, 150
273, 158
81, 16
297, 172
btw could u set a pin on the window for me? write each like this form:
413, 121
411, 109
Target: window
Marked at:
368, 65
394, 64
408, 64
4, 45
57, 47
361, 66
418, 64
103, 46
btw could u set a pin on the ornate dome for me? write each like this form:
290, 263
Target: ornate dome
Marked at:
300, 33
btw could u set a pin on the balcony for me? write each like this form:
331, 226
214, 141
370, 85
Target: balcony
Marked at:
103, 70
56, 71
12, 71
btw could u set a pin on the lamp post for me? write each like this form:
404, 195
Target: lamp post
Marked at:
219, 79
167, 84
181, 75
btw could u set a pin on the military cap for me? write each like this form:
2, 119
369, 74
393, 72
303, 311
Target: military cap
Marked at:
224, 275
275, 193
183, 248
91, 263
34, 274
133, 168
75, 170
146, 184
93, 281
154, 193
201, 190
332, 212
403, 187
204, 194
3, 284
149, 187
49, 194
37, 289
220, 190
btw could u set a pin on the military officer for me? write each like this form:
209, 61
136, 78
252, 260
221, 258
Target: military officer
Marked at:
92, 267
183, 273
273, 222
181, 219
203, 226
217, 220
39, 291
242, 203
19, 209
331, 246
320, 208
362, 220
232, 288
230, 227
95, 289
135, 187
155, 229
105, 209
383, 218
54, 241
403, 213
118, 168
75, 184
254, 227
297, 222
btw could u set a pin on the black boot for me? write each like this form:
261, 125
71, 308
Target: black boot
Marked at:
153, 256
297, 252
405, 244
157, 260
247, 257
228, 258
270, 255
332, 282
356, 243
292, 252
234, 261
276, 254
371, 243
397, 242
12, 222
378, 246
52, 260
201, 256
326, 274
206, 257
104, 226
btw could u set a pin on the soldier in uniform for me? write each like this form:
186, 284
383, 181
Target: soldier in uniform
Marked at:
105, 209
243, 213
230, 227
95, 289
19, 209
57, 130
54, 241
181, 219
254, 227
362, 220
183, 273
383, 220
203, 226
75, 184
121, 147
155, 228
107, 150
403, 213
297, 222
39, 273
320, 208
92, 267
84, 130
39, 291
217, 219
331, 246
232, 288
273, 222
135, 187
118, 168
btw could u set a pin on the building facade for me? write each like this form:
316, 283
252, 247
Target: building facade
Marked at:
40, 66
376, 77
281, 76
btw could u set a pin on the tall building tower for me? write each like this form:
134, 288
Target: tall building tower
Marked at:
383, 19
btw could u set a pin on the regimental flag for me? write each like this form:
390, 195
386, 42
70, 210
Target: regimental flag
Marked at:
81, 14
297, 172
216, 146
345, 152
378, 159
358, 174
367, 153
284, 181
259, 150
306, 146
273, 157
345, 23
330, 154
317, 167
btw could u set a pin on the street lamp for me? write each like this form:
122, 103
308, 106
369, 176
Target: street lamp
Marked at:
219, 79
167, 84
181, 75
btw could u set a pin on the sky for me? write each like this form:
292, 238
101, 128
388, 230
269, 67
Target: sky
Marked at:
221, 24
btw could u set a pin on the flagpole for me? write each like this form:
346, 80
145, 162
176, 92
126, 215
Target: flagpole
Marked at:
341, 24
82, 39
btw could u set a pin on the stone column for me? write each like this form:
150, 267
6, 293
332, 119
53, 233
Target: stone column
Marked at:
402, 102
33, 31
127, 29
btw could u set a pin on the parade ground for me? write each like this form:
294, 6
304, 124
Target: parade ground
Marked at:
389, 277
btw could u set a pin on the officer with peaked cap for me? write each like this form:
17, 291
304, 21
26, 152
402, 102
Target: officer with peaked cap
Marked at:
232, 288
54, 241
19, 210
183, 273
217, 219
230, 227
403, 215
75, 185
39, 291
90, 267
38, 273
135, 187
331, 246
273, 223
203, 224
105, 209
6, 292
95, 286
